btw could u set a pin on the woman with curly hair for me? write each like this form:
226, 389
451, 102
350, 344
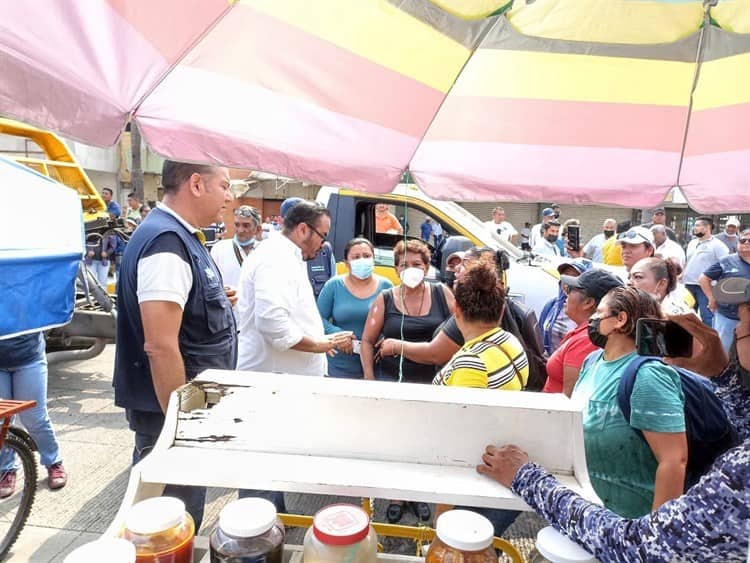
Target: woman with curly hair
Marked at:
490, 357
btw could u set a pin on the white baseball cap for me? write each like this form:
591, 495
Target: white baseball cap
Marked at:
636, 235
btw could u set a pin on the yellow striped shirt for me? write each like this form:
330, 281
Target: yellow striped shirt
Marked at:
493, 360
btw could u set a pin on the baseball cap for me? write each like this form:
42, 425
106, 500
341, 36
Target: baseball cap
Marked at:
458, 254
658, 229
656, 210
732, 291
288, 203
733, 221
580, 265
595, 283
636, 235
547, 212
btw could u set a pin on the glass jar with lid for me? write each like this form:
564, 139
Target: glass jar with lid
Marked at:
111, 550
249, 531
462, 537
341, 533
161, 530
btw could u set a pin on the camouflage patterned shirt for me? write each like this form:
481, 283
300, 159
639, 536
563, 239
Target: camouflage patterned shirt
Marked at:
711, 522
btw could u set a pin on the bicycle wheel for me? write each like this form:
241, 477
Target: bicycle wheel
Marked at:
14, 509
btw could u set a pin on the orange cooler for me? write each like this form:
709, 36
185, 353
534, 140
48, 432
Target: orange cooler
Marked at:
161, 530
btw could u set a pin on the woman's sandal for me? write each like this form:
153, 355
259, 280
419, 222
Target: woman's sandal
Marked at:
394, 513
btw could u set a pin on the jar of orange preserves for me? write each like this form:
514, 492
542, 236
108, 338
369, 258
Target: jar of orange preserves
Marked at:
161, 530
462, 537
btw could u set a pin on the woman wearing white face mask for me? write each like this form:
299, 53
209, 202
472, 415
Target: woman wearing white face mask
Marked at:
344, 302
411, 311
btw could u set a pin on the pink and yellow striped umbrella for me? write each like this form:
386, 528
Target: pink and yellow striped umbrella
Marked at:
570, 100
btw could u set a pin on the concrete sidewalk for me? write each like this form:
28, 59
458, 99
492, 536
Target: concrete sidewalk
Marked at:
96, 447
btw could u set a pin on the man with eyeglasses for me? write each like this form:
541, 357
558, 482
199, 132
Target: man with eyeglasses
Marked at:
280, 326
230, 254
736, 265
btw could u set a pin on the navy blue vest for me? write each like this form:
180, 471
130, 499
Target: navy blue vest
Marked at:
208, 334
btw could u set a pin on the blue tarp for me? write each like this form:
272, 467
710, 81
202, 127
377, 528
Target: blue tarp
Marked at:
41, 246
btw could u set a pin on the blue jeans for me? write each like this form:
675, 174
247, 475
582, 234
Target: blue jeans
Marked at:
29, 383
725, 327
700, 298
193, 497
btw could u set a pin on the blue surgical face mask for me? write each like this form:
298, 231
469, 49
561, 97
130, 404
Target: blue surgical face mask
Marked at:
362, 268
245, 244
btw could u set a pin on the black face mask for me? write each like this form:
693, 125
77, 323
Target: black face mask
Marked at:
596, 337
450, 279
551, 238
609, 234
556, 215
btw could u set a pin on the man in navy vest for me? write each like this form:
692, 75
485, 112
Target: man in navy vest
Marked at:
175, 319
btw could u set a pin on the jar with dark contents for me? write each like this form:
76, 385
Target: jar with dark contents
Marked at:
462, 537
161, 530
249, 531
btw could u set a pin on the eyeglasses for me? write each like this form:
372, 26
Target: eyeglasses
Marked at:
324, 238
744, 241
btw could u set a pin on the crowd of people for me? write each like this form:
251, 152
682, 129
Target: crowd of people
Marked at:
465, 333
272, 301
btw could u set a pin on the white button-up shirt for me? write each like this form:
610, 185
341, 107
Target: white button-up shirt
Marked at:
670, 249
276, 310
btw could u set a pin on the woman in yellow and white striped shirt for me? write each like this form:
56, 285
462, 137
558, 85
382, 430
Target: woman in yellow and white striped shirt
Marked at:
491, 357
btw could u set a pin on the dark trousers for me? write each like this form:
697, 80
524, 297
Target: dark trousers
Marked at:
193, 497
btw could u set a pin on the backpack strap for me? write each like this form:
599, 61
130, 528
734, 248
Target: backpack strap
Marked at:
591, 359
627, 382
512, 364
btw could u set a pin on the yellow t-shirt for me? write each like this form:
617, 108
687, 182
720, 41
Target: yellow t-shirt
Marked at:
612, 253
494, 360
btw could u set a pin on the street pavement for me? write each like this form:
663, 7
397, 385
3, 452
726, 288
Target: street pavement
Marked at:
96, 447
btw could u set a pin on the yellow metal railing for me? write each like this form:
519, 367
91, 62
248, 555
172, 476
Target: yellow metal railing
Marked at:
419, 534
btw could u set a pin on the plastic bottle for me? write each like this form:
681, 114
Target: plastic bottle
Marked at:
249, 531
111, 550
161, 531
462, 537
554, 547
341, 533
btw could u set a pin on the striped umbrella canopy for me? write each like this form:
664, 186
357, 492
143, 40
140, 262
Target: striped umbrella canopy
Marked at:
578, 101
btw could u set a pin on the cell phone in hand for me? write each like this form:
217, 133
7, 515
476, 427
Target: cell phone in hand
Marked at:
657, 337
574, 237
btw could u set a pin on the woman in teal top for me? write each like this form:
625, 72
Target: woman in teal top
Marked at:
345, 301
632, 477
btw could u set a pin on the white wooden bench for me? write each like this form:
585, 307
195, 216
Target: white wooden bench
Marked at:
355, 438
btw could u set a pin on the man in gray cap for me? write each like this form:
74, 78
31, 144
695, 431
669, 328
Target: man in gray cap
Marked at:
659, 217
